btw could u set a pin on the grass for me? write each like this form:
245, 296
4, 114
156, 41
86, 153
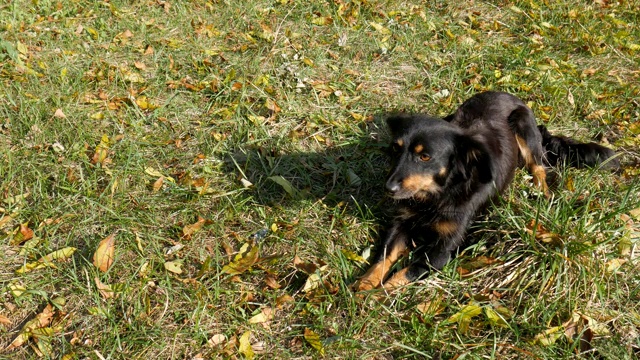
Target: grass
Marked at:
215, 95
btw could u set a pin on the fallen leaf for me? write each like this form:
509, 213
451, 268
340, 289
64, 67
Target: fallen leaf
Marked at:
216, 340
314, 340
59, 114
173, 266
245, 346
105, 253
464, 316
543, 234
272, 282
243, 261
47, 260
265, 315
549, 336
285, 184
313, 281
105, 290
157, 185
189, 230
5, 321
42, 320
23, 234
494, 318
353, 256
102, 151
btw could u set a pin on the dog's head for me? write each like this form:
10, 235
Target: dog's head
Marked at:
429, 155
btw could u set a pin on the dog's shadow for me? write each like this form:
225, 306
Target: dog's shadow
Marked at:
352, 172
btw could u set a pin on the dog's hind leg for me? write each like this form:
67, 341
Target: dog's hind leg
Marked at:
529, 142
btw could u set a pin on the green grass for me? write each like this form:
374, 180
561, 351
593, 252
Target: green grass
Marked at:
215, 70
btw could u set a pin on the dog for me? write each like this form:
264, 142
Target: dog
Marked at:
444, 171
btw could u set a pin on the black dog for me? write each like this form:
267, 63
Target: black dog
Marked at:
445, 170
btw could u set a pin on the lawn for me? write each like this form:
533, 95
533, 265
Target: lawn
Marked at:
204, 179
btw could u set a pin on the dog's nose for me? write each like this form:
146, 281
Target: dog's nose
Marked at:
392, 186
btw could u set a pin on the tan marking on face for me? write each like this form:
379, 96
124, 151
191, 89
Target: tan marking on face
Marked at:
418, 149
400, 142
443, 171
417, 183
446, 227
397, 280
376, 273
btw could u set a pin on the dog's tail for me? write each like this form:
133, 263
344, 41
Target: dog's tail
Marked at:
561, 149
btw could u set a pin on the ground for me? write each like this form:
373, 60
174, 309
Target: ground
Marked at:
204, 179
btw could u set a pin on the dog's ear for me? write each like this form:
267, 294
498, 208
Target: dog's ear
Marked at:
399, 123
472, 156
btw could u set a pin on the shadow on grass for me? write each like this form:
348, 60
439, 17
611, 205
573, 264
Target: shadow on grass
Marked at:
352, 173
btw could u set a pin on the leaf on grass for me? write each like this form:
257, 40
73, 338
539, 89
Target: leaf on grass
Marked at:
105, 290
23, 234
245, 346
431, 307
59, 114
479, 262
494, 317
314, 340
5, 321
173, 266
47, 260
189, 230
216, 340
42, 320
549, 336
243, 261
380, 28
105, 253
313, 281
614, 264
635, 213
285, 184
542, 234
265, 315
353, 256
464, 316
102, 151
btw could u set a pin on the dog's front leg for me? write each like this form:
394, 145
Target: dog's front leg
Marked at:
395, 247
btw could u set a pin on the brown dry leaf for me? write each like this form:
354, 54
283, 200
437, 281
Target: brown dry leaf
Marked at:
216, 340
189, 230
5, 220
157, 185
148, 50
5, 321
307, 267
140, 65
105, 290
284, 299
272, 282
23, 234
272, 105
102, 151
42, 320
105, 253
59, 114
543, 234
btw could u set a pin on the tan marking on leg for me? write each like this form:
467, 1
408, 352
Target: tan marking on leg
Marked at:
378, 271
540, 179
400, 142
418, 149
446, 227
525, 151
536, 170
397, 280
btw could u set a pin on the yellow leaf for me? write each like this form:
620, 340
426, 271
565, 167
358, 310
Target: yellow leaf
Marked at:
381, 29
464, 316
97, 116
42, 320
104, 255
314, 340
242, 261
173, 266
245, 345
353, 256
265, 315
549, 336
102, 150
494, 318
312, 283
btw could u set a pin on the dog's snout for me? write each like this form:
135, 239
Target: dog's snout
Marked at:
392, 186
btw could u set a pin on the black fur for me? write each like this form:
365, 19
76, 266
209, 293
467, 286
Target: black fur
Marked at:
563, 149
446, 170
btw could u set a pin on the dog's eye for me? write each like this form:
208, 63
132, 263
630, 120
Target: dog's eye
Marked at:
425, 157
